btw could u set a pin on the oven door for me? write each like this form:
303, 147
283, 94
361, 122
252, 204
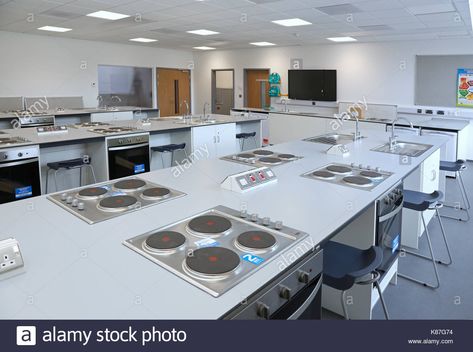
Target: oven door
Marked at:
388, 235
128, 160
19, 180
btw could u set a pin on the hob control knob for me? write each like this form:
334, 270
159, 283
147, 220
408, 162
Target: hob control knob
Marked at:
360, 166
353, 164
81, 206
262, 310
64, 196
278, 225
266, 221
75, 203
368, 167
20, 155
304, 277
5, 156
254, 217
69, 200
243, 214
377, 169
284, 292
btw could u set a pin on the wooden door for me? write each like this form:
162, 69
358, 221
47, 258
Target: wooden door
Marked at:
173, 86
254, 81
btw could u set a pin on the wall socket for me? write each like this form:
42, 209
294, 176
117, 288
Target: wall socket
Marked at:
10, 256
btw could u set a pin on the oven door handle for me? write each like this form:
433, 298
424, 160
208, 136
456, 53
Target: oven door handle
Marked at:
126, 147
21, 162
307, 302
393, 213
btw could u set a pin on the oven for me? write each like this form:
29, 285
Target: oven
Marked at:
294, 294
389, 225
128, 155
19, 173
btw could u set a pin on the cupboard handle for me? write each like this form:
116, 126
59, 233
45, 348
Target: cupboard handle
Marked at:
434, 175
218, 139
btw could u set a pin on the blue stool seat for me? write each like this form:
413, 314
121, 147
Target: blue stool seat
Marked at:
453, 166
345, 266
168, 148
245, 135
68, 164
421, 201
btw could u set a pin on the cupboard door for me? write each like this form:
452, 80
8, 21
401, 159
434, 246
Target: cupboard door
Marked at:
226, 139
204, 140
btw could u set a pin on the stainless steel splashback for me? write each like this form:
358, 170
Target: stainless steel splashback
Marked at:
52, 103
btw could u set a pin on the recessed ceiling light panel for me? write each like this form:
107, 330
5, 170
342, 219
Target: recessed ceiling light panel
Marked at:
262, 44
143, 40
292, 22
54, 29
203, 48
107, 15
342, 39
202, 32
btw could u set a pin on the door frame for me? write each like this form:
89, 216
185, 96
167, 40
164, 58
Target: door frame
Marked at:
174, 69
245, 82
213, 86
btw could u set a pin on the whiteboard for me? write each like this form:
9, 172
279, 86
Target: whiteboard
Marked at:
436, 78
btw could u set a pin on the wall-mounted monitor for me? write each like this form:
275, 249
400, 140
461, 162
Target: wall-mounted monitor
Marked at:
315, 85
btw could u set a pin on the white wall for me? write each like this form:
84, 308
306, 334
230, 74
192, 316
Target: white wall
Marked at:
34, 65
381, 72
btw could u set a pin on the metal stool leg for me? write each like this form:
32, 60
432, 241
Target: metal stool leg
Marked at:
344, 307
375, 276
466, 201
55, 179
80, 176
92, 172
47, 179
450, 261
381, 297
172, 158
162, 160
432, 258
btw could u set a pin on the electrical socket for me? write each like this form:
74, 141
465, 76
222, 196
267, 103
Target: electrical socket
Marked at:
10, 255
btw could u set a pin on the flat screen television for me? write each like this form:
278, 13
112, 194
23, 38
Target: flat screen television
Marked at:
315, 85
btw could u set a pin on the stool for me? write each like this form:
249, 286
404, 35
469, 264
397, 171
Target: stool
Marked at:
242, 137
70, 164
419, 201
457, 167
170, 148
346, 266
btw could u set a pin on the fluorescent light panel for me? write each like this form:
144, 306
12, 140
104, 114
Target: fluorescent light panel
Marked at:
292, 22
203, 48
112, 16
202, 32
263, 44
342, 39
55, 29
143, 40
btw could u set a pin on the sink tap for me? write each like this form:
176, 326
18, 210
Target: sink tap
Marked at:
205, 117
357, 136
117, 99
284, 102
393, 138
100, 101
187, 114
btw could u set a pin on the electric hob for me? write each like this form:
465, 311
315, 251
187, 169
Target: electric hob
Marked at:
353, 175
112, 199
262, 157
218, 248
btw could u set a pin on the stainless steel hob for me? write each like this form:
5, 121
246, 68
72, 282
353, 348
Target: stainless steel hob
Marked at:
261, 158
218, 248
6, 141
352, 175
111, 199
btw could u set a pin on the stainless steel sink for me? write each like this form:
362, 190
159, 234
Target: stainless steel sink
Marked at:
195, 122
332, 139
404, 148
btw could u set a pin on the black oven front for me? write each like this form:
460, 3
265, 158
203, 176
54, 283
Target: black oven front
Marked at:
128, 155
389, 225
19, 173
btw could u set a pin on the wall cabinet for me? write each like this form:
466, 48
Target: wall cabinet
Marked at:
214, 141
112, 116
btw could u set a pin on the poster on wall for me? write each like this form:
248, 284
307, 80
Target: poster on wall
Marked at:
465, 88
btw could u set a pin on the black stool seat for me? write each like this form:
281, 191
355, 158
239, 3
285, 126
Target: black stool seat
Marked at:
421, 201
168, 148
453, 166
343, 264
245, 135
68, 164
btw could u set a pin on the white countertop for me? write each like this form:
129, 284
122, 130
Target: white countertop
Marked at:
80, 271
80, 135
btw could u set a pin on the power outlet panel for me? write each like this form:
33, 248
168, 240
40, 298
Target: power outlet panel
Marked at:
10, 256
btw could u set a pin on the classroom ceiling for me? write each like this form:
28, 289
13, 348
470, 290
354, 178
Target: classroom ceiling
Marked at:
240, 22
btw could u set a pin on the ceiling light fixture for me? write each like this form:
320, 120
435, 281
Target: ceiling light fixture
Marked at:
55, 29
143, 40
292, 22
203, 48
112, 16
342, 39
263, 44
203, 32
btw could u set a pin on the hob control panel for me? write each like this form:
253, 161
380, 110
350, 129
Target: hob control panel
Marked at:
249, 180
